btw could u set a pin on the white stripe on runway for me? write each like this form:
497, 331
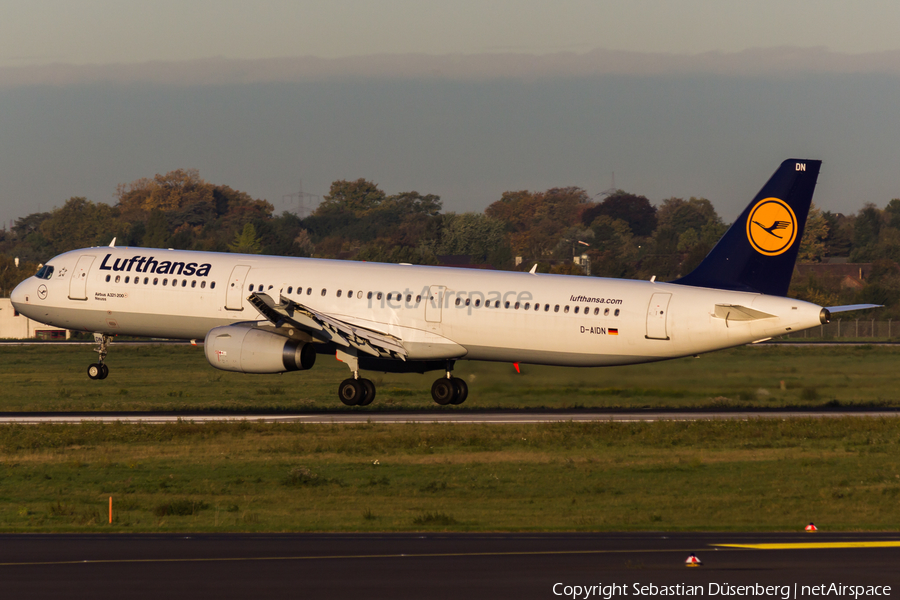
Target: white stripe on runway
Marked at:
439, 417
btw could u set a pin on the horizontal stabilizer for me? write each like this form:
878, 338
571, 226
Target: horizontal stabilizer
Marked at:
734, 312
849, 307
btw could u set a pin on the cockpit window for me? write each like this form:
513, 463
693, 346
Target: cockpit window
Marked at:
45, 272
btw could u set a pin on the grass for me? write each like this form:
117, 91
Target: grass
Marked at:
842, 473
178, 378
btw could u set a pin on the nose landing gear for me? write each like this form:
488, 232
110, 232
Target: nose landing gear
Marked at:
99, 370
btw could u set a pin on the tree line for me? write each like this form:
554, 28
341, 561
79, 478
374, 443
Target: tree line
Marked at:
622, 234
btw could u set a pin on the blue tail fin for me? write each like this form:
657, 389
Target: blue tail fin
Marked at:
758, 251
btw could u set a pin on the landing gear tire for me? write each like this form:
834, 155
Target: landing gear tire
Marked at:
95, 371
443, 391
352, 392
462, 391
104, 371
370, 392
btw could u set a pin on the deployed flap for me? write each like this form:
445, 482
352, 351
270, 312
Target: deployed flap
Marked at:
735, 312
326, 328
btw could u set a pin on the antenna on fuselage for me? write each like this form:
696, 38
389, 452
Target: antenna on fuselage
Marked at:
112, 244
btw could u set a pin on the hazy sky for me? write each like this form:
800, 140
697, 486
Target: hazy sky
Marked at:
391, 103
105, 31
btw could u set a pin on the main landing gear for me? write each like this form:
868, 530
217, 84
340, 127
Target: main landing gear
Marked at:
357, 391
99, 370
449, 390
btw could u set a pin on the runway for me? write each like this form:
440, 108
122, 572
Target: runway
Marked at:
435, 566
512, 416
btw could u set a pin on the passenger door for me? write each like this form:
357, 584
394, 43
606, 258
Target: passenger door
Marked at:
657, 316
234, 295
78, 282
435, 303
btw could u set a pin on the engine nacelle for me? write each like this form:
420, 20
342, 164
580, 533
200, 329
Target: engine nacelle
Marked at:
250, 350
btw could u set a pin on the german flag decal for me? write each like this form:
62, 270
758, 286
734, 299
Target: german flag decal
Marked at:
613, 331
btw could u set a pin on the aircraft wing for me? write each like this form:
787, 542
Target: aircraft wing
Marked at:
326, 328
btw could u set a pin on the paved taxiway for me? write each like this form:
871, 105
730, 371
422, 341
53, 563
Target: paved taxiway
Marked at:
431, 566
438, 416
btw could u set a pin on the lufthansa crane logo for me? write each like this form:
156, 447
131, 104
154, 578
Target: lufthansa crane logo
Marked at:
771, 226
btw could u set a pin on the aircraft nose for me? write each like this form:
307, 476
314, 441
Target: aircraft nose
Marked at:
20, 295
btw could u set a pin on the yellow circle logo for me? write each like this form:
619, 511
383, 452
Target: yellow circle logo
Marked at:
771, 227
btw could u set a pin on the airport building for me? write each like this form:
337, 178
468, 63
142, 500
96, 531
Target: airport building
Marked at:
14, 326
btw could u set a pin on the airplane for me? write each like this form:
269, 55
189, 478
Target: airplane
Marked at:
269, 314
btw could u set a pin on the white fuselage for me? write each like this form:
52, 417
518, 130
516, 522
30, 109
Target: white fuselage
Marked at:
437, 312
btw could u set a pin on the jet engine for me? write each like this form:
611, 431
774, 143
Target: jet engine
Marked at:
251, 350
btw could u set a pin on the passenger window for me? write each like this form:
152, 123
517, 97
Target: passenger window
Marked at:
127, 279
617, 312
349, 293
566, 309
556, 308
118, 278
359, 295
165, 281
194, 283
458, 300
419, 299
477, 302
108, 278
379, 296
270, 287
605, 312
339, 293
369, 296
290, 289
155, 280
202, 285
468, 301
183, 282
324, 291
506, 304
527, 305
576, 310
517, 306
409, 299
309, 291
174, 282
146, 280
596, 311
251, 287
212, 285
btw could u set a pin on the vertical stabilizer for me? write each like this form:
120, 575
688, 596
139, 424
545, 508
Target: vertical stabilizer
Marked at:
758, 252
